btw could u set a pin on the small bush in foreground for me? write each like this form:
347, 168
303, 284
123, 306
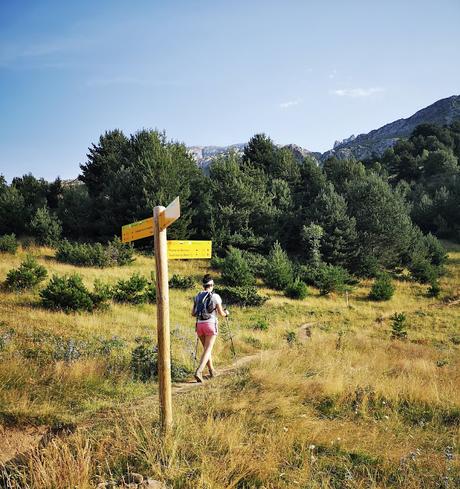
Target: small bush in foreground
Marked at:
242, 296
291, 337
261, 325
8, 243
398, 326
131, 291
144, 363
382, 289
180, 282
69, 294
101, 295
297, 290
150, 293
26, 276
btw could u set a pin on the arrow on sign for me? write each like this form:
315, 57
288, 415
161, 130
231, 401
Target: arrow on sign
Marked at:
170, 214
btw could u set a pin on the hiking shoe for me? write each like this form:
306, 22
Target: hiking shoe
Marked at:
198, 376
212, 372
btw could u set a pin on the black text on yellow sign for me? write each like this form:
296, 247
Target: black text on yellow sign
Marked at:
137, 230
188, 250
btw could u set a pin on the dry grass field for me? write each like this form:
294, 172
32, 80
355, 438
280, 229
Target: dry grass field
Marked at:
347, 408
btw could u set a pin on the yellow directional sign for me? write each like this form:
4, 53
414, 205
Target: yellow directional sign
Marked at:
137, 230
180, 250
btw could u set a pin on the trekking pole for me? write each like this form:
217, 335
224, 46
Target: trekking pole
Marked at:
232, 346
196, 353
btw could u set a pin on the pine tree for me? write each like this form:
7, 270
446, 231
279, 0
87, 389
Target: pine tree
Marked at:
338, 242
278, 272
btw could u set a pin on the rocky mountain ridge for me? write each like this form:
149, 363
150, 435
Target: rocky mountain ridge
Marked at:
363, 146
360, 147
204, 155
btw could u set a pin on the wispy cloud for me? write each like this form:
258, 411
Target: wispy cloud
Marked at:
332, 74
128, 80
116, 80
290, 103
357, 92
14, 52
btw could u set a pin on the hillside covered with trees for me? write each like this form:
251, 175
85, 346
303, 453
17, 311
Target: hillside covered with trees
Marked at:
359, 216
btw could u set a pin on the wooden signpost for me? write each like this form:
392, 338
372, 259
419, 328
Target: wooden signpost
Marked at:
162, 218
156, 226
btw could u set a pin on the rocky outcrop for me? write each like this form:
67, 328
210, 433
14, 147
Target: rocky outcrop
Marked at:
204, 155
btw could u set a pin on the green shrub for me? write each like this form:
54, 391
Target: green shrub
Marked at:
131, 291
291, 337
297, 290
8, 243
81, 254
435, 251
332, 278
150, 293
69, 294
309, 274
256, 262
101, 295
260, 325
434, 289
423, 271
235, 270
119, 253
398, 326
144, 363
46, 227
217, 262
368, 266
241, 296
180, 282
95, 255
26, 276
254, 342
278, 270
382, 288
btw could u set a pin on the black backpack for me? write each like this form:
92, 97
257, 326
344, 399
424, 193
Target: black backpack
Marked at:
204, 306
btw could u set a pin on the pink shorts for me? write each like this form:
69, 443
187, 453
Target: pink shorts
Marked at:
208, 328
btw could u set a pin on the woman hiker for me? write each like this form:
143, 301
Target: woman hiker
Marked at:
206, 305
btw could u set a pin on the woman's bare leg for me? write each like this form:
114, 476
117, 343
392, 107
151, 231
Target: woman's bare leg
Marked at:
206, 356
209, 364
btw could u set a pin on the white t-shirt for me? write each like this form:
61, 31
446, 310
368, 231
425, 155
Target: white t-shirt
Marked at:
215, 301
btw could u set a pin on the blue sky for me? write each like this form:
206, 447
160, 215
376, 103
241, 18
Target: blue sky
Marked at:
214, 72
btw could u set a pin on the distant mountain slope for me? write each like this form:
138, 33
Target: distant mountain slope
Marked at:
442, 112
204, 155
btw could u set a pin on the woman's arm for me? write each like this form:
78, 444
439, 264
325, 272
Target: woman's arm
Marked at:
221, 310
